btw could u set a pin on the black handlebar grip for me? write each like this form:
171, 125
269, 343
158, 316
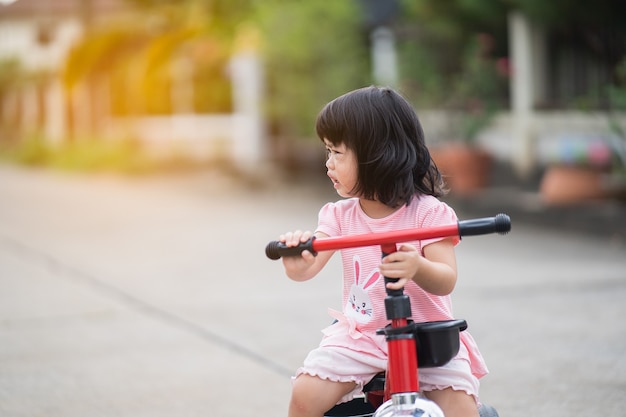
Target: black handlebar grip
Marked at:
501, 224
275, 249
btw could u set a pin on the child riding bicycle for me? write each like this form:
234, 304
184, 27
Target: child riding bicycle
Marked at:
378, 162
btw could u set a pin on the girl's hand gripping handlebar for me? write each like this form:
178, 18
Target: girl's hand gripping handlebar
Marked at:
500, 224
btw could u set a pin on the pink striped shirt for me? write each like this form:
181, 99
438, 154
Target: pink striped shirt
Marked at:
363, 285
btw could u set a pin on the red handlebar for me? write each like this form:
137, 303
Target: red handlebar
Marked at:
402, 345
501, 224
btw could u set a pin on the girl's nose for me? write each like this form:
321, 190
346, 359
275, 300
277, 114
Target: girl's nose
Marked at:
329, 162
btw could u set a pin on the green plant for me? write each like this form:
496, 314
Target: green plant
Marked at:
82, 155
478, 90
31, 151
313, 52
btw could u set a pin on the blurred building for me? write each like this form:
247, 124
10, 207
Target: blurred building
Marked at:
37, 35
35, 38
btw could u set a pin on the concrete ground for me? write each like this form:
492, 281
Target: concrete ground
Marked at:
153, 297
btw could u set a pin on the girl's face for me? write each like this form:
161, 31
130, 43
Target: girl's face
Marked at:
342, 168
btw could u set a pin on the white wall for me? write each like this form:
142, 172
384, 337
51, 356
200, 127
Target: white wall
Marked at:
19, 39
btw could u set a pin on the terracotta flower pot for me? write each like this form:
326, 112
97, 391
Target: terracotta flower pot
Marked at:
564, 184
466, 169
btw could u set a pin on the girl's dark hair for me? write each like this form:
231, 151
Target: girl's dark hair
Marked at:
383, 131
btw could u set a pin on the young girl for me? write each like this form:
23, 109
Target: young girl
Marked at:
378, 161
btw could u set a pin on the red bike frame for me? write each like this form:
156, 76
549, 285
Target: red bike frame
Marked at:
399, 338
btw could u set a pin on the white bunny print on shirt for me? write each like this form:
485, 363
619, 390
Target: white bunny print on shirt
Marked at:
359, 305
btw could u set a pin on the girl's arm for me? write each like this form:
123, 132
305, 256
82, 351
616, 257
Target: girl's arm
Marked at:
435, 272
305, 267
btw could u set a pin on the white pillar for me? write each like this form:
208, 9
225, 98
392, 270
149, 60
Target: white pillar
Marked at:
246, 73
384, 57
30, 109
54, 112
523, 83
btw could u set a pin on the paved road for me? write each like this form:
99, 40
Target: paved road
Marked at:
152, 297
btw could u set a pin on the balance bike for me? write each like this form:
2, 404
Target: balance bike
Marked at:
411, 345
